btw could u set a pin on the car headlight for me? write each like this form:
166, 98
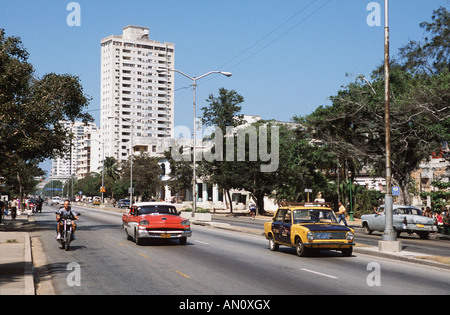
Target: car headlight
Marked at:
144, 222
186, 222
350, 236
310, 236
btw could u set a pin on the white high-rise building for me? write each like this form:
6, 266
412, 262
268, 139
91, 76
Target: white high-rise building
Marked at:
74, 160
137, 102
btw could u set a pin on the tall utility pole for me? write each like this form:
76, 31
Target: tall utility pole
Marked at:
194, 166
389, 239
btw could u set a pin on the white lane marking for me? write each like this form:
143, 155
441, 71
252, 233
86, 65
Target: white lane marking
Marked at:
319, 273
201, 242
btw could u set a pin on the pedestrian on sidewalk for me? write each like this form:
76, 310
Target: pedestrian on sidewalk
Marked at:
14, 205
428, 213
341, 213
446, 222
2, 209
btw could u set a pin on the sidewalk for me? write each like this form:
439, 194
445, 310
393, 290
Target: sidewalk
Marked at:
16, 264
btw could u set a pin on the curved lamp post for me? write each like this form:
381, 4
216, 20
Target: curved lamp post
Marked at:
194, 85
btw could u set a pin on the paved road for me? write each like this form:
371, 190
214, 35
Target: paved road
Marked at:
433, 246
216, 262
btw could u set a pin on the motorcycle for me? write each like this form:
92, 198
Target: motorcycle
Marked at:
66, 233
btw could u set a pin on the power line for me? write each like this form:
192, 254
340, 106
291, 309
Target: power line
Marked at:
268, 34
283, 34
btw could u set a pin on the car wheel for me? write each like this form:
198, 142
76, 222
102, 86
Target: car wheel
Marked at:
272, 245
367, 231
183, 241
347, 252
300, 248
423, 235
137, 239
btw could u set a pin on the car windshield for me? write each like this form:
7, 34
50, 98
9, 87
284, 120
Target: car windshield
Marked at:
162, 209
314, 216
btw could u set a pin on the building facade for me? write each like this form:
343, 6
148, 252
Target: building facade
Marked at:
137, 102
71, 163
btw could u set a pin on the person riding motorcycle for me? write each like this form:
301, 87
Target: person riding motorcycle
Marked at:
65, 212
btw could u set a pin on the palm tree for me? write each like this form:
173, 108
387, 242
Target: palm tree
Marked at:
111, 168
112, 175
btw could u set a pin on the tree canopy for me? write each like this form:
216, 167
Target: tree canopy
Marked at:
32, 109
353, 126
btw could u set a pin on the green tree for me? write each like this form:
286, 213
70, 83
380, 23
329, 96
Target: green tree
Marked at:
303, 163
89, 185
222, 112
353, 126
112, 175
439, 197
146, 176
23, 182
433, 54
181, 173
31, 110
111, 168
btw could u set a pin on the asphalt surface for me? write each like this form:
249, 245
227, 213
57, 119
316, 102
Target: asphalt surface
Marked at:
436, 245
217, 260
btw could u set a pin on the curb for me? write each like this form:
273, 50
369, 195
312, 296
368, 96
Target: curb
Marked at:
402, 256
22, 281
29, 270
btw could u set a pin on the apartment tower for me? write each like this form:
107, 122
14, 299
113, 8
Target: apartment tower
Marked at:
75, 161
137, 101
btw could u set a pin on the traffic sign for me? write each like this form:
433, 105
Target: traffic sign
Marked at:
395, 191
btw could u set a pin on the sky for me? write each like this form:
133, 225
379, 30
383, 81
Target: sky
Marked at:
287, 56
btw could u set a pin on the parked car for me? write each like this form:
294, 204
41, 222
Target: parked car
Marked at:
123, 203
155, 220
306, 228
405, 219
97, 201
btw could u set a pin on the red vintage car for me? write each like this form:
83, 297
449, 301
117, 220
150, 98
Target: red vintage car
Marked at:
155, 220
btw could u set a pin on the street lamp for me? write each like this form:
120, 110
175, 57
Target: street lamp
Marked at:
194, 85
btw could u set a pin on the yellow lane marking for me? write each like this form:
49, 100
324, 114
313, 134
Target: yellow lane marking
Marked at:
145, 256
182, 274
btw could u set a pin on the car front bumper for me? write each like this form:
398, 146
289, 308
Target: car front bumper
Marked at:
328, 245
163, 234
